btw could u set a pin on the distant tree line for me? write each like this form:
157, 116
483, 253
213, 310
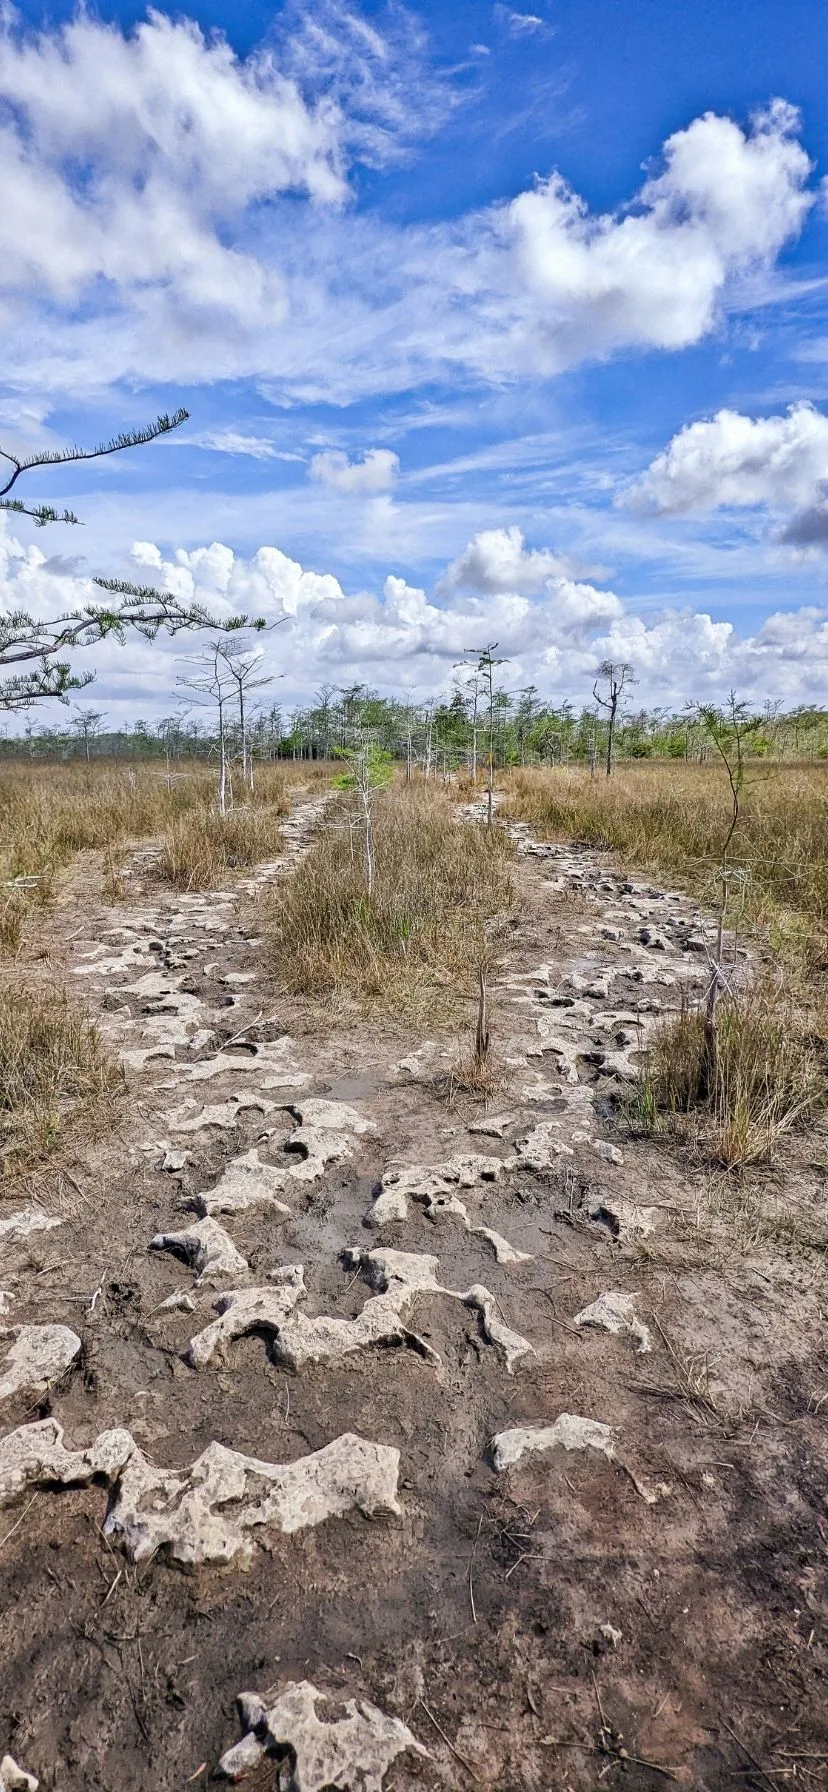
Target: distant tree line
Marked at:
436, 736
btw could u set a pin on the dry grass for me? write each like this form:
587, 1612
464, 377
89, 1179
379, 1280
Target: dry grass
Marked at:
416, 943
203, 846
673, 819
767, 1074
55, 1074
48, 814
770, 1060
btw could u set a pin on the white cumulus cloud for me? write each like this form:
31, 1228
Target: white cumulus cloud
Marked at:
402, 637
734, 461
375, 471
498, 560
161, 220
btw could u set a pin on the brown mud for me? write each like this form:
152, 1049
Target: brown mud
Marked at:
546, 1626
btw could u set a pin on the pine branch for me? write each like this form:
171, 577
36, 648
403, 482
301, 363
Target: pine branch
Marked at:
126, 438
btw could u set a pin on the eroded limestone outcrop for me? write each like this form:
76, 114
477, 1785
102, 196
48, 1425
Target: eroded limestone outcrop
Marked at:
569, 1432
397, 1278
427, 1183
38, 1355
350, 1753
28, 1220
615, 1312
206, 1248
14, 1778
213, 1511
246, 1182
324, 1134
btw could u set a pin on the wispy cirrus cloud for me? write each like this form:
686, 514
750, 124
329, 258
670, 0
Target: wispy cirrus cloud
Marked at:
176, 212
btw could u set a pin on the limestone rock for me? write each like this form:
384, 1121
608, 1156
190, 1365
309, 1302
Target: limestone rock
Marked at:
569, 1432
270, 1061
615, 1312
38, 1356
540, 1149
350, 1753
626, 1220
427, 1182
224, 1114
610, 1153
34, 1455
395, 1277
324, 1134
495, 1126
13, 1778
28, 1220
246, 1182
206, 1247
178, 1302
215, 1510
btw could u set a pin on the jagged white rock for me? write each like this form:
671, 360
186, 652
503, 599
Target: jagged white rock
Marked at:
246, 1182
610, 1153
222, 1113
14, 1779
217, 1509
351, 1752
213, 1511
396, 1278
569, 1432
495, 1126
206, 1247
540, 1149
28, 1220
37, 1356
615, 1312
323, 1134
271, 1062
624, 1219
35, 1455
178, 1302
426, 1183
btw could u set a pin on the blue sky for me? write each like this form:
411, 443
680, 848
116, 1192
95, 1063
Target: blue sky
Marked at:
493, 322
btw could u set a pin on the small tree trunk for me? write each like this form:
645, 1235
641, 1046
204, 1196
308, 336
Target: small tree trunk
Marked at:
222, 762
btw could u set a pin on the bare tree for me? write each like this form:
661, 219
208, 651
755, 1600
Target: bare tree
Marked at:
242, 669
87, 726
484, 669
33, 645
211, 683
618, 675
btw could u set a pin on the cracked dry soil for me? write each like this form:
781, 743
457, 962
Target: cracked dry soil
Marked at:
644, 1613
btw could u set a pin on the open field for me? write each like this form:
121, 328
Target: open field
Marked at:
418, 938
506, 1416
674, 818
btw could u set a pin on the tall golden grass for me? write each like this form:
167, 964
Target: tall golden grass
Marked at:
769, 1065
48, 814
55, 1074
673, 818
416, 943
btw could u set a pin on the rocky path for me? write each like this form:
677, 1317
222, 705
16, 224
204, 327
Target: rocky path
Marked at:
459, 1445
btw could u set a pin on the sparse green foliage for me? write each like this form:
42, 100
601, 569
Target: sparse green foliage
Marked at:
28, 642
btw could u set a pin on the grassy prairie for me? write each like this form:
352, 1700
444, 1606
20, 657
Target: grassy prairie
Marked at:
673, 819
767, 1074
48, 814
56, 1076
417, 941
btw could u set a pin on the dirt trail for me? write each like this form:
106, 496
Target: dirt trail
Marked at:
468, 1424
